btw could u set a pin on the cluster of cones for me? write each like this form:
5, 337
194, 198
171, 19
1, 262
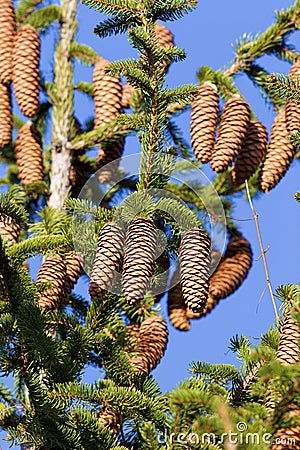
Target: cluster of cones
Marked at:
134, 253
19, 63
241, 141
110, 99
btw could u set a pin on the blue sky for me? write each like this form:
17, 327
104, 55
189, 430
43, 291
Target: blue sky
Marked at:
207, 35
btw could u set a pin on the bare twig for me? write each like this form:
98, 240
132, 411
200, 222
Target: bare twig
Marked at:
263, 251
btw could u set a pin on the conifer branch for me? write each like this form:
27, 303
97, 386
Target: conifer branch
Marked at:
85, 87
24, 9
84, 53
42, 18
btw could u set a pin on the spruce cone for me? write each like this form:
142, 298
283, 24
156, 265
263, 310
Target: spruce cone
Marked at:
251, 153
108, 418
194, 255
9, 229
288, 350
177, 309
53, 270
29, 154
127, 93
26, 76
151, 344
163, 262
279, 155
292, 108
165, 37
140, 248
108, 98
233, 269
5, 116
204, 120
234, 123
74, 270
108, 259
7, 36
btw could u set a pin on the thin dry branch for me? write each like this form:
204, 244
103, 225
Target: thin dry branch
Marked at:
263, 252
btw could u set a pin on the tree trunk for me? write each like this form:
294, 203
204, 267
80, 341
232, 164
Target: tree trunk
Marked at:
63, 109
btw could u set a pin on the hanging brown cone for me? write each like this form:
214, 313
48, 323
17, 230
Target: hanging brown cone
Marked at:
26, 75
233, 126
108, 418
279, 155
5, 116
74, 270
161, 287
288, 350
127, 93
9, 229
233, 269
108, 99
53, 271
140, 248
151, 344
204, 120
29, 154
108, 259
292, 108
7, 36
177, 309
165, 39
194, 257
251, 153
